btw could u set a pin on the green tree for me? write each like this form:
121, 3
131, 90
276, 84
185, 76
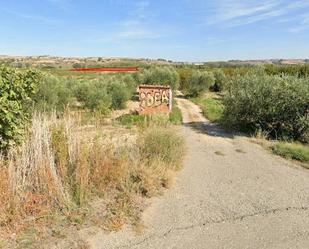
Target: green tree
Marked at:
119, 95
160, 76
277, 105
199, 82
54, 93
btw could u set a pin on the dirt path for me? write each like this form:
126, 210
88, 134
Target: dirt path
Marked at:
230, 194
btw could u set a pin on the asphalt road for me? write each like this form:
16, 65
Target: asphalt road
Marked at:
231, 194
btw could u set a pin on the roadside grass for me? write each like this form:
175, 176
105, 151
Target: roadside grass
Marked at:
176, 115
295, 151
144, 121
163, 145
211, 106
289, 150
63, 168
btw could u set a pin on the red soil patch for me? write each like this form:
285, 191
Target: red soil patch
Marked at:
107, 69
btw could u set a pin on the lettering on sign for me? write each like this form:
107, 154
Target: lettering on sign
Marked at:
155, 99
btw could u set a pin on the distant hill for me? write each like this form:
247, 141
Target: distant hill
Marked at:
46, 61
75, 62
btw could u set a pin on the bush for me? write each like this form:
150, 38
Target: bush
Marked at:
220, 81
16, 92
199, 82
97, 98
164, 145
301, 70
119, 95
184, 74
105, 93
160, 76
54, 93
276, 105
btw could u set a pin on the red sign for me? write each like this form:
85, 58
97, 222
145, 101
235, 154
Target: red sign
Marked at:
155, 99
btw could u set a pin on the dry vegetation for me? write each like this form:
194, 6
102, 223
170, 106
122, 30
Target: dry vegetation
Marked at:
86, 174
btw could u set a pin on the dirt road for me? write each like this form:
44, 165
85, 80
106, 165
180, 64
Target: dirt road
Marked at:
230, 194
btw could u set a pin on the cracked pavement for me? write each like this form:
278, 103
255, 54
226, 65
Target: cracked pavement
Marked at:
231, 194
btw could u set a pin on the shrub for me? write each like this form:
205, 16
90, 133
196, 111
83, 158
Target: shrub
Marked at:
301, 70
220, 81
16, 92
184, 74
276, 105
104, 93
160, 76
199, 82
54, 93
119, 95
92, 94
164, 145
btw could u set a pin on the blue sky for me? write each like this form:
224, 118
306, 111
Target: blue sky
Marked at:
181, 30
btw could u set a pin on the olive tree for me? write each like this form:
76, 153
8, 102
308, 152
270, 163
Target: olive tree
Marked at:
199, 82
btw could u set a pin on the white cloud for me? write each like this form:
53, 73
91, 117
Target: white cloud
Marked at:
232, 13
32, 17
137, 25
302, 26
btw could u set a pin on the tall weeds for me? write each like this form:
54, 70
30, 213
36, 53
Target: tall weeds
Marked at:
62, 166
33, 170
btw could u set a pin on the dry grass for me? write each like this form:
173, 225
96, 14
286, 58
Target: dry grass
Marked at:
63, 167
4, 192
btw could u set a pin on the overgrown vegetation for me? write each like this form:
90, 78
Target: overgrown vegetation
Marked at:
278, 105
67, 160
61, 167
16, 91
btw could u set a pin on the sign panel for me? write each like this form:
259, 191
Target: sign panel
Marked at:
155, 99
